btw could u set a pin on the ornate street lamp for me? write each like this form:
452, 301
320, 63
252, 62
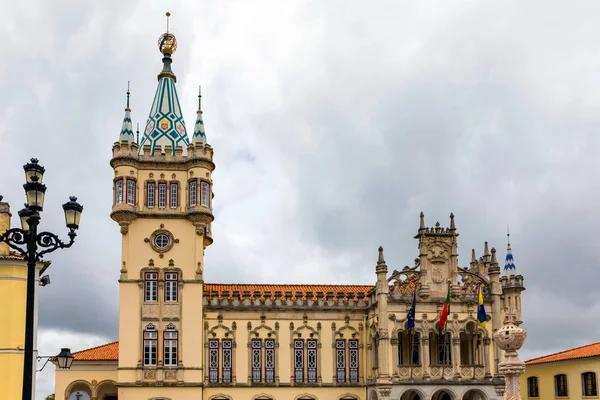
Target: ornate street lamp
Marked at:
64, 359
32, 246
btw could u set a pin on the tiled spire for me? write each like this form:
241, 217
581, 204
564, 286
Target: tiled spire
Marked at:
127, 128
199, 135
509, 264
165, 125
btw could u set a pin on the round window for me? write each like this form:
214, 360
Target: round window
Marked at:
161, 241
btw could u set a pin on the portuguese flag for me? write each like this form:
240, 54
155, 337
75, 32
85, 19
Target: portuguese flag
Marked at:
445, 312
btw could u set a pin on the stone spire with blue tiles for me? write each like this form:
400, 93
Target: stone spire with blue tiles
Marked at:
165, 125
199, 135
127, 128
509, 264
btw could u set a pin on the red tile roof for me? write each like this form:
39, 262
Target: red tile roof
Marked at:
106, 352
300, 292
590, 350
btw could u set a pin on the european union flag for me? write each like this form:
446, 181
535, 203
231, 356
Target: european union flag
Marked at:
411, 312
481, 315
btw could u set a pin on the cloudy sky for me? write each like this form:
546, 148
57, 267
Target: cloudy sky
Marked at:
333, 126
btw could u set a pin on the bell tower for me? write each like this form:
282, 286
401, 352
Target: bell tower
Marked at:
162, 201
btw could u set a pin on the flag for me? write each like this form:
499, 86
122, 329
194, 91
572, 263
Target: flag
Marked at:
411, 312
445, 311
481, 315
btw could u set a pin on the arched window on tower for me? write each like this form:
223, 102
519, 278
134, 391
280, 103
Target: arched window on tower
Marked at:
130, 192
205, 194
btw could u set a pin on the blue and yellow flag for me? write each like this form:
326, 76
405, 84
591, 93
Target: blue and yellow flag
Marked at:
481, 315
411, 312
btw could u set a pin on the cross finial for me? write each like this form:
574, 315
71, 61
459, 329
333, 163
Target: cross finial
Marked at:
168, 14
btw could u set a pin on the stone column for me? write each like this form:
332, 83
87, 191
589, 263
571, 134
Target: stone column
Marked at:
425, 355
510, 338
395, 360
486, 356
456, 355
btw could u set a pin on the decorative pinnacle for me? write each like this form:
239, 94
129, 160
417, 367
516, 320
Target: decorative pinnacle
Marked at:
381, 267
473, 256
494, 260
452, 226
127, 108
486, 251
137, 133
422, 221
167, 43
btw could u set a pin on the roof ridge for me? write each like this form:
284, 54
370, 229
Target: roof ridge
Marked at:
96, 347
565, 351
288, 284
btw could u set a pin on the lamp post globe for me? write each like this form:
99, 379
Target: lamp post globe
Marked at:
65, 359
72, 212
34, 169
24, 216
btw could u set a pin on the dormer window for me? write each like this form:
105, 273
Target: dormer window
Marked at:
205, 194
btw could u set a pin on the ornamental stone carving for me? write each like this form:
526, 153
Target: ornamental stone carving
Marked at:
510, 338
171, 311
149, 311
149, 374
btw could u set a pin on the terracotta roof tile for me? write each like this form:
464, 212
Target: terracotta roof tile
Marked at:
299, 292
590, 350
105, 352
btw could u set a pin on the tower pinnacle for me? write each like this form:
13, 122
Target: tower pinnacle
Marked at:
165, 125
199, 135
127, 128
509, 264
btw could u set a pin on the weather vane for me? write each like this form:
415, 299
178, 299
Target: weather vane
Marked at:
168, 14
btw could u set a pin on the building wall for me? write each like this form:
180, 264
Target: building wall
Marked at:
95, 379
547, 371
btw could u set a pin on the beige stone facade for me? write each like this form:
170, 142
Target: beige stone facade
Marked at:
181, 338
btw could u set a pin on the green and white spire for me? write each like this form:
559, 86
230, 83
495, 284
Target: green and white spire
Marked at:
165, 125
199, 135
127, 128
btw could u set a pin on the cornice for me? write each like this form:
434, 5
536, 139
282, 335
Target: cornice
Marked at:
167, 163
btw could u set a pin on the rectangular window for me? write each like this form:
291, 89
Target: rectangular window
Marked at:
299, 361
151, 286
170, 346
560, 385
193, 193
415, 348
340, 360
119, 191
353, 360
256, 360
444, 355
227, 360
174, 196
150, 347
213, 361
150, 200
311, 364
269, 361
532, 387
162, 195
590, 387
205, 194
130, 192
171, 287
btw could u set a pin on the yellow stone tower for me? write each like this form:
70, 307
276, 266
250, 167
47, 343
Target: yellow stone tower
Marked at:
162, 201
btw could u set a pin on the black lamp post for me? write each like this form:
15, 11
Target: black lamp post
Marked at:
32, 246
